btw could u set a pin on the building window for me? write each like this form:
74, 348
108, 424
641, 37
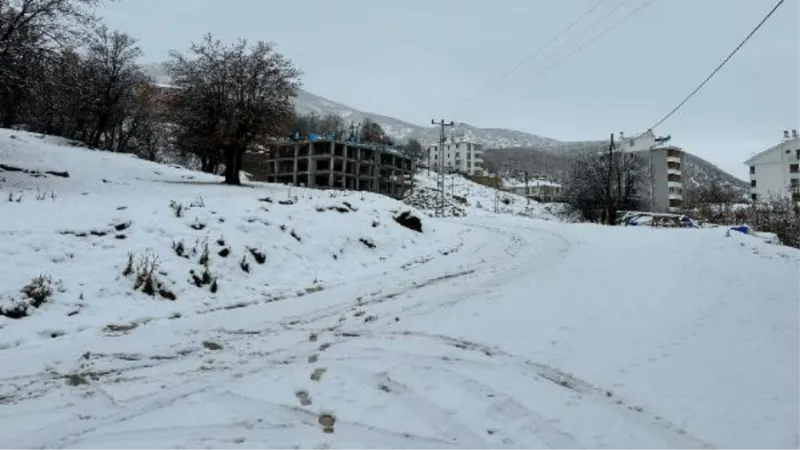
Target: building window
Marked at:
794, 183
674, 203
752, 170
674, 177
674, 165
753, 182
457, 145
754, 197
794, 168
798, 154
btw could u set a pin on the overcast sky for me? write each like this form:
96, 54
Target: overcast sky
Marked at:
418, 59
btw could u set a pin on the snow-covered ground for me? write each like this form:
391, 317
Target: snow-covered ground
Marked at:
488, 330
464, 197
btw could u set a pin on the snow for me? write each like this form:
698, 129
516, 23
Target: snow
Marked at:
474, 198
483, 331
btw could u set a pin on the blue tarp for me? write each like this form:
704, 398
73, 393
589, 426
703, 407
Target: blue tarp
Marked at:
742, 229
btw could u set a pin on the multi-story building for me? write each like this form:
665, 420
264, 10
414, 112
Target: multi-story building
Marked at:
333, 164
456, 156
666, 179
661, 191
775, 172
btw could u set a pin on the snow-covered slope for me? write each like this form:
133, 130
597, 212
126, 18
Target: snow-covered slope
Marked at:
463, 197
485, 331
80, 230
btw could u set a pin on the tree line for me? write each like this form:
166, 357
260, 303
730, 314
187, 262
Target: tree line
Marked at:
63, 73
601, 182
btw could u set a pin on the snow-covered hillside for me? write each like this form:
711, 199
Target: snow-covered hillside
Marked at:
463, 197
80, 231
350, 330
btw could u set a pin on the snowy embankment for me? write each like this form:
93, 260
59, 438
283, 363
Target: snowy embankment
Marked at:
464, 197
487, 331
88, 236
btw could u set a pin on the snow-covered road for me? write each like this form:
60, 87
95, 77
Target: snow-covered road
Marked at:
527, 334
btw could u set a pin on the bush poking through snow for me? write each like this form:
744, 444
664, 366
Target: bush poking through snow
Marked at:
179, 248
225, 252
204, 255
244, 264
409, 221
198, 202
367, 242
197, 225
36, 293
258, 255
177, 208
145, 279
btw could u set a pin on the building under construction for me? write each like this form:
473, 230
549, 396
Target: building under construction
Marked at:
334, 164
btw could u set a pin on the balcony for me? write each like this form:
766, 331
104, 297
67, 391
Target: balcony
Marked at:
674, 171
675, 196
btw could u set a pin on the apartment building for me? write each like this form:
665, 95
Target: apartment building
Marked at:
775, 172
456, 156
666, 179
661, 191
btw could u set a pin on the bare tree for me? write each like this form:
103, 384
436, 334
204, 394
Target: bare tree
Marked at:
712, 202
229, 98
371, 131
779, 215
31, 34
599, 185
327, 125
115, 77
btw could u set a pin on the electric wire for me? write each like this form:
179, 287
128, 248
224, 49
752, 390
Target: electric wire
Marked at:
722, 64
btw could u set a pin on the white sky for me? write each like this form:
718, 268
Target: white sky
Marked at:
417, 59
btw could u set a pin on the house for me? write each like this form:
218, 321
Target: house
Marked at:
775, 172
456, 156
539, 190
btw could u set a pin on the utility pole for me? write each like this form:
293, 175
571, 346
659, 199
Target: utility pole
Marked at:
609, 205
442, 140
527, 191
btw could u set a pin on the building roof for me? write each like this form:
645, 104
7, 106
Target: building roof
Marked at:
757, 156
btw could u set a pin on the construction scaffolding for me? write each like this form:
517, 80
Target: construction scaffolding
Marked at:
334, 164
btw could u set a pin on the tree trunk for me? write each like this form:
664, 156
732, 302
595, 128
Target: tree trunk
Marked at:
232, 164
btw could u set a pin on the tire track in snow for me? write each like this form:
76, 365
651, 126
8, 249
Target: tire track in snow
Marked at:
666, 430
436, 417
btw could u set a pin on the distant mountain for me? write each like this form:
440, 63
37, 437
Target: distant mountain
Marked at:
509, 151
307, 102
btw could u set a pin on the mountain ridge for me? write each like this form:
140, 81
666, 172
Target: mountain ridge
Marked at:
701, 170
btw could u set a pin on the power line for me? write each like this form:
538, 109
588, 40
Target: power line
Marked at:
593, 40
593, 25
741, 44
530, 56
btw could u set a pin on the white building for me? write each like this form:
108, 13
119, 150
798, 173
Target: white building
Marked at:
775, 172
661, 190
457, 156
539, 190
